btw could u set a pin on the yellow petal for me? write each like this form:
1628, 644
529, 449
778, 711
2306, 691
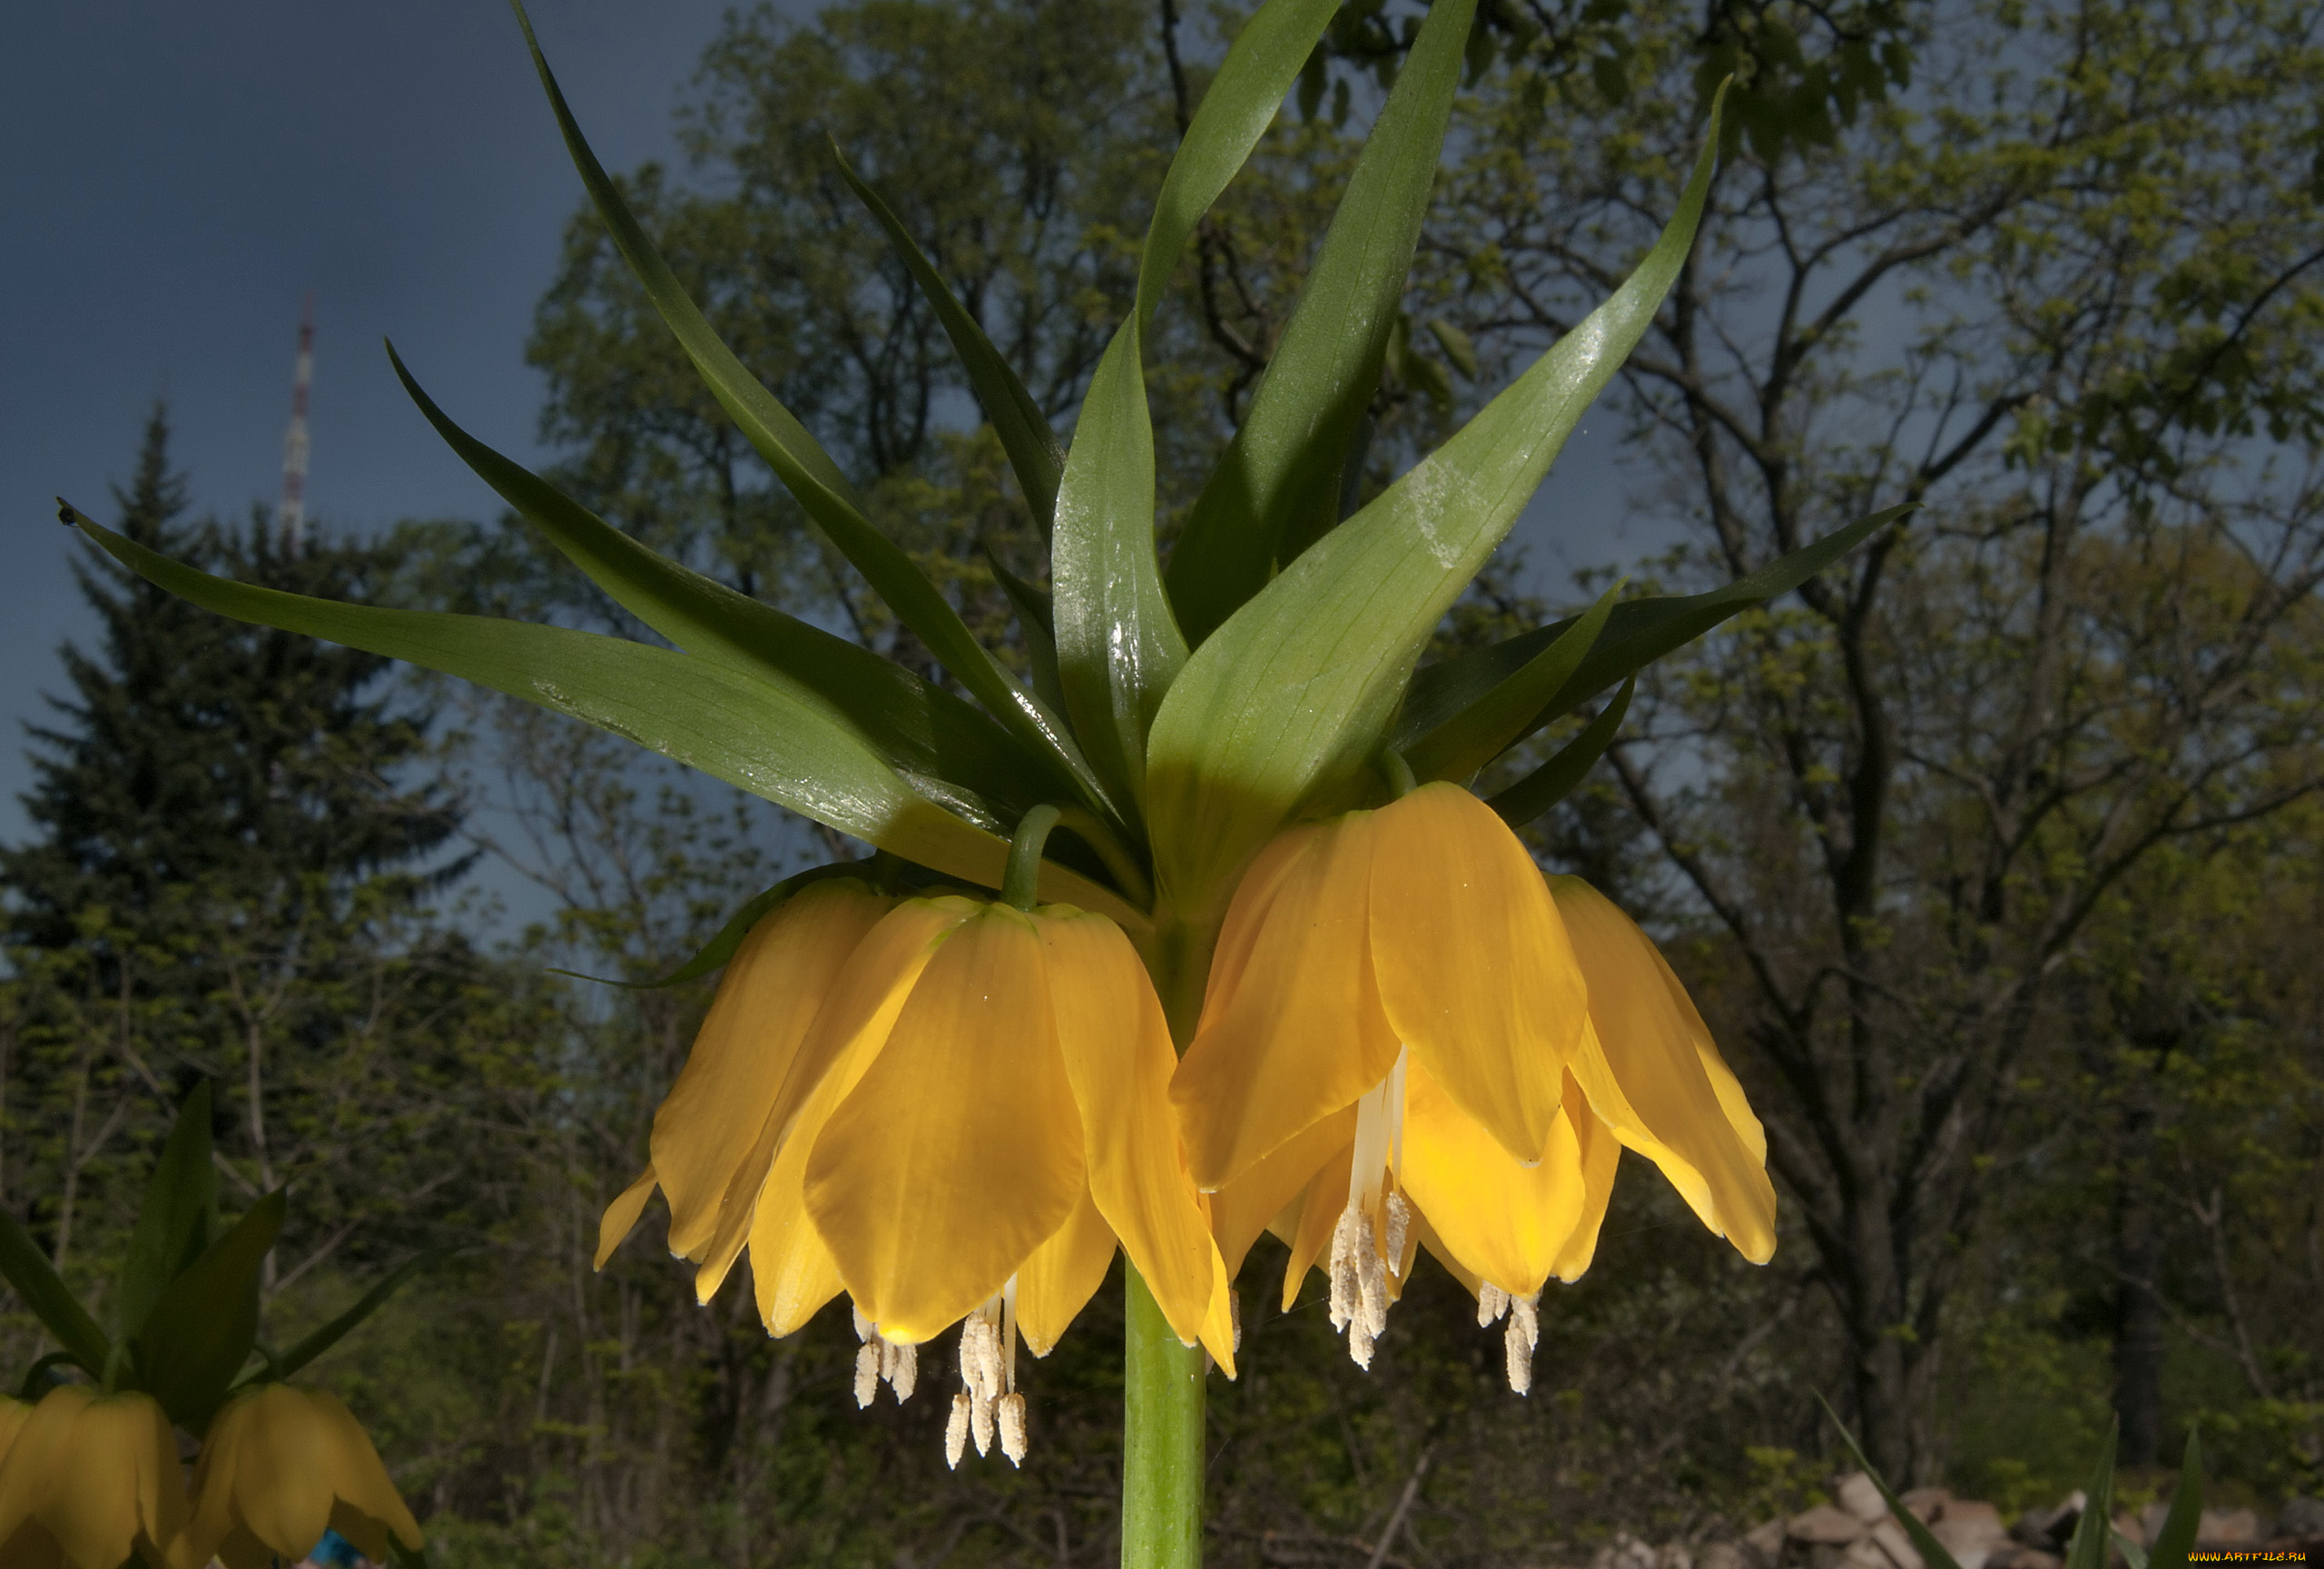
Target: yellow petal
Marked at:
959, 1150
1654, 1045
1475, 970
115, 1485
358, 1479
1301, 1034
769, 995
792, 1273
621, 1214
1246, 914
1601, 1153
1319, 1215
1056, 1282
1118, 1055
14, 1415
44, 1435
1437, 1250
1249, 1205
1503, 1222
281, 1495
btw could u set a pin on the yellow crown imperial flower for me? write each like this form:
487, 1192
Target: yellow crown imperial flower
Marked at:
279, 1466
91, 1481
965, 1119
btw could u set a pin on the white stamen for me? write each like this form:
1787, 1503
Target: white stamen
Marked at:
980, 1425
1524, 1333
867, 1373
1492, 1303
1008, 1333
864, 1326
956, 1432
900, 1365
1344, 1289
1359, 1283
1235, 1316
1400, 1216
980, 1368
1011, 1412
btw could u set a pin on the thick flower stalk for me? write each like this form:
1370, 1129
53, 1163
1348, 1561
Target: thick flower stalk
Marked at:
949, 1109
91, 1481
278, 1465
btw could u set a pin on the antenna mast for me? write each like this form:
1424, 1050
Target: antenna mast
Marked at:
294, 512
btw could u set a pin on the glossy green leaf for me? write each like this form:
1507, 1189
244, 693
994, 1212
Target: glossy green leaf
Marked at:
2177, 1537
1033, 620
44, 1292
1119, 645
1933, 1551
781, 742
173, 1223
1278, 485
921, 729
808, 473
721, 948
1469, 739
1639, 632
205, 1322
1555, 780
1285, 704
1024, 429
2094, 1533
322, 1339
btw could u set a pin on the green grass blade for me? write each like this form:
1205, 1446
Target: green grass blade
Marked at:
2177, 1537
921, 729
1024, 431
44, 1292
775, 739
1639, 632
1933, 1551
808, 471
1474, 736
202, 1328
2094, 1533
1284, 705
172, 1224
1555, 780
1279, 483
1119, 645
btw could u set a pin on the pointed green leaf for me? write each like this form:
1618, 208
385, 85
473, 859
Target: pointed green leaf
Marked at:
775, 740
1283, 706
808, 473
1474, 737
1555, 780
1119, 645
1278, 485
173, 1223
1933, 1551
2177, 1537
922, 729
1457, 347
1024, 431
314, 1344
44, 1292
2094, 1533
2134, 1551
1639, 632
202, 1327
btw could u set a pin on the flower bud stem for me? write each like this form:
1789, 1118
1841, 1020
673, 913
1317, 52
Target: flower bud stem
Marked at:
1020, 886
1399, 772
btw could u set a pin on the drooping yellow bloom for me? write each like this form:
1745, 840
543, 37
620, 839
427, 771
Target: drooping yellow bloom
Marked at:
91, 1481
973, 1115
278, 1467
1323, 1104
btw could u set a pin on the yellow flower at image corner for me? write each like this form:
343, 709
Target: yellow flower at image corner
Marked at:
279, 1465
964, 1121
1319, 1111
89, 1481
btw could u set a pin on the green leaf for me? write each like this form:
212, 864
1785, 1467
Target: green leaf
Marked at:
1555, 780
173, 1223
2093, 1533
50, 1300
1023, 428
2177, 1537
715, 952
314, 1344
1933, 1551
808, 473
1119, 645
1278, 486
205, 1322
1473, 737
1639, 632
1282, 707
2133, 1553
1033, 619
1457, 347
775, 740
923, 729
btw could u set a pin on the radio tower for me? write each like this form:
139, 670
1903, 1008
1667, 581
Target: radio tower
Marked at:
293, 513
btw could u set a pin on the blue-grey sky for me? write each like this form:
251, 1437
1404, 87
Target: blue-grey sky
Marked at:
182, 175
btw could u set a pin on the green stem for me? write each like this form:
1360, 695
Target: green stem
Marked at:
1021, 885
1162, 1439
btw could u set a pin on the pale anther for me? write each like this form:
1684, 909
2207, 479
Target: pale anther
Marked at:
981, 1423
955, 1431
1400, 1216
867, 1373
900, 1368
1524, 1333
1492, 1303
1012, 1413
